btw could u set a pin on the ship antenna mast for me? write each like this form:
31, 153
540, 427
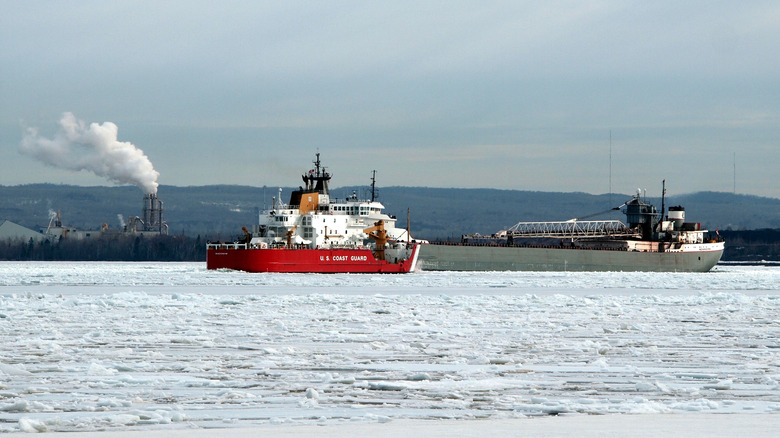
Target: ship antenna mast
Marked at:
408, 227
663, 200
373, 185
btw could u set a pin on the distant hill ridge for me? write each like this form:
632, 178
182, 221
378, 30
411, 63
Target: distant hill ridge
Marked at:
221, 210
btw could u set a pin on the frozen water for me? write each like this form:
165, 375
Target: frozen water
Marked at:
118, 346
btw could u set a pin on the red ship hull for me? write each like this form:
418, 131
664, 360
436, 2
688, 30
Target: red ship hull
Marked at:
306, 260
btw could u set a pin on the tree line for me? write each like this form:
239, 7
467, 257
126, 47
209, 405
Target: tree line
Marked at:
752, 245
162, 248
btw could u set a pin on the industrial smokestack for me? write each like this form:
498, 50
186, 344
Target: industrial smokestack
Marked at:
153, 214
94, 148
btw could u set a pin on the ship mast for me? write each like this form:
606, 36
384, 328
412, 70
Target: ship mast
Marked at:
317, 178
663, 199
663, 206
373, 185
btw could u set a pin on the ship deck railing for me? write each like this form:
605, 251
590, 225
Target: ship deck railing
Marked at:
227, 245
518, 245
572, 228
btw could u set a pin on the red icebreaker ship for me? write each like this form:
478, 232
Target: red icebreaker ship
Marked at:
316, 234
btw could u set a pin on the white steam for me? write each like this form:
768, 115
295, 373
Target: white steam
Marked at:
94, 148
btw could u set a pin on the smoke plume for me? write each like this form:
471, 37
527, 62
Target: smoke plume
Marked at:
94, 148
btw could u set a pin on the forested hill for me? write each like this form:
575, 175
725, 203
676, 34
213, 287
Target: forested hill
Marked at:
452, 212
221, 211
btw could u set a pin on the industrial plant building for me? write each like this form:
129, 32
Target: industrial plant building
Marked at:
13, 231
150, 223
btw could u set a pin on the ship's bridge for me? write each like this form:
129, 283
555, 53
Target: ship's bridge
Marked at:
357, 208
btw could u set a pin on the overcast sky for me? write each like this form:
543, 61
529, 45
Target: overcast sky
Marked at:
497, 94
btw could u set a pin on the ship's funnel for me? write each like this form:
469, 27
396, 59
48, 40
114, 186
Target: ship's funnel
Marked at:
677, 215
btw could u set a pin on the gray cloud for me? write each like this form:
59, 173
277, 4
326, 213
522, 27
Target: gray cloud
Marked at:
517, 95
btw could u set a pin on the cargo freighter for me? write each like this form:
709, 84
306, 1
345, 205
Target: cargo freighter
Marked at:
314, 233
648, 243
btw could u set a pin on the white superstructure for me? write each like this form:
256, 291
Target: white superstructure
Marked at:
313, 220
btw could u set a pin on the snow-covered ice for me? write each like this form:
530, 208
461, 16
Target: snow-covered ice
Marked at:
145, 346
